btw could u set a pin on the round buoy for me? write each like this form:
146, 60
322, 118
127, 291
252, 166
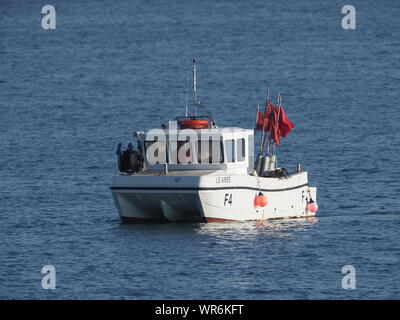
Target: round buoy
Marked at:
260, 200
312, 206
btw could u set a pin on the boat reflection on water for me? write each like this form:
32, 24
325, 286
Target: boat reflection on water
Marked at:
235, 229
275, 228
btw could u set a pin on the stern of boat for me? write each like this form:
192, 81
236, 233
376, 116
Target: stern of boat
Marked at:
157, 198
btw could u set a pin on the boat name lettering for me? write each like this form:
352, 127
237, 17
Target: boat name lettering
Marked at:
223, 180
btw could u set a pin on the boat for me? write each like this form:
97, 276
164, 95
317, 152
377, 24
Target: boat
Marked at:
195, 171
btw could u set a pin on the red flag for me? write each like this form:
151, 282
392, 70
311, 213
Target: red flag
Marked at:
259, 121
274, 126
269, 113
285, 125
274, 121
274, 134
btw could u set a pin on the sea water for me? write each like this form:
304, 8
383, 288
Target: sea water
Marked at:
69, 95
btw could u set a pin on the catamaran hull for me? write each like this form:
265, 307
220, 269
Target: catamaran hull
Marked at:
190, 201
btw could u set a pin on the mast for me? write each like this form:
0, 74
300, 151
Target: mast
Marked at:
187, 94
195, 102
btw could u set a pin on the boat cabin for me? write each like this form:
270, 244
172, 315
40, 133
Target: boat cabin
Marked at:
186, 149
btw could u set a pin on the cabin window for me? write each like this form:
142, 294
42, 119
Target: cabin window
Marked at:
230, 150
241, 149
206, 150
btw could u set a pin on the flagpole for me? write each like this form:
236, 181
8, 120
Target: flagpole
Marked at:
263, 129
269, 138
277, 119
269, 143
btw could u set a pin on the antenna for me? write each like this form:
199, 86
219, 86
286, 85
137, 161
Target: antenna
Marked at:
187, 94
195, 102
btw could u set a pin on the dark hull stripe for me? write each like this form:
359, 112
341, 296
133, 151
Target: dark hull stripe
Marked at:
207, 188
218, 220
142, 220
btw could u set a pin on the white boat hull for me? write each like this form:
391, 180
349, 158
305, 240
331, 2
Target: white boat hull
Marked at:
214, 197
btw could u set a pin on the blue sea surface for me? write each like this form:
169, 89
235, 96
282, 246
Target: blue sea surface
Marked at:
69, 95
